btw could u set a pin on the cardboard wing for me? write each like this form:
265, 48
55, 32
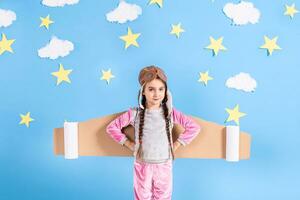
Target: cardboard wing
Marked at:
94, 141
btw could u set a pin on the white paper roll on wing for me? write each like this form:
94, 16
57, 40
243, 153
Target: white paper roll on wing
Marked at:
71, 140
232, 143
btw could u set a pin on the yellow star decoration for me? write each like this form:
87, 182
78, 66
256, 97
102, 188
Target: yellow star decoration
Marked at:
216, 45
46, 22
25, 119
204, 77
62, 74
107, 75
290, 10
176, 30
158, 2
234, 114
5, 44
270, 44
130, 38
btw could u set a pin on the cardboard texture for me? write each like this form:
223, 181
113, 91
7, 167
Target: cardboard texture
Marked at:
94, 141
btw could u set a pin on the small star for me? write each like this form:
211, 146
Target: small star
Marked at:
176, 30
107, 75
46, 22
290, 10
204, 77
62, 75
270, 45
216, 45
5, 44
130, 38
158, 2
234, 114
25, 119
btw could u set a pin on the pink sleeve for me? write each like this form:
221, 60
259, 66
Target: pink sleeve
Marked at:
114, 128
192, 129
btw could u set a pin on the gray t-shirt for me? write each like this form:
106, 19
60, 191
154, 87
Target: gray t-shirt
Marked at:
155, 148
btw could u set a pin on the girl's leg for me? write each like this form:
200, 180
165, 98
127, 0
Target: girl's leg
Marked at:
162, 181
142, 180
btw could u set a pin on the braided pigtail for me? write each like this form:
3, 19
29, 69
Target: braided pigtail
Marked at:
167, 119
141, 127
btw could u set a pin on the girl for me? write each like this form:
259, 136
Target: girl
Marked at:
153, 148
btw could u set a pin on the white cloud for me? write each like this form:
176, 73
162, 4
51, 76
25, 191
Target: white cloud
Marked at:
242, 81
124, 12
7, 17
56, 48
59, 3
242, 13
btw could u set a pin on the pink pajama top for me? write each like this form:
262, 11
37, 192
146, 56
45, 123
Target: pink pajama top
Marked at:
155, 141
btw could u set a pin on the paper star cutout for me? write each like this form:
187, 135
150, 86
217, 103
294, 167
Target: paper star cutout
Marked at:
62, 74
290, 10
158, 2
270, 44
25, 119
46, 22
176, 30
204, 77
234, 114
5, 44
216, 45
130, 38
107, 75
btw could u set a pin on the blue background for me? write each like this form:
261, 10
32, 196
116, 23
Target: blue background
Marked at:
28, 167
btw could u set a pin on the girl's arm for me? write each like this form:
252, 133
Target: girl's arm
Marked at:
192, 129
114, 128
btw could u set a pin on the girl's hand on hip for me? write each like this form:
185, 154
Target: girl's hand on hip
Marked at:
129, 144
176, 144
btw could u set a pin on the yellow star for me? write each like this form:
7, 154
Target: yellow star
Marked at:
176, 29
107, 75
216, 45
46, 22
290, 10
130, 38
234, 114
62, 74
158, 2
5, 44
270, 45
204, 77
26, 119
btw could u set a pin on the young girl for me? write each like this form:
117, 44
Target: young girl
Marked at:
153, 148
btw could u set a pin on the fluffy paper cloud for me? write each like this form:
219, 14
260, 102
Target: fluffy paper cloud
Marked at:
242, 13
59, 3
56, 48
7, 17
242, 81
124, 12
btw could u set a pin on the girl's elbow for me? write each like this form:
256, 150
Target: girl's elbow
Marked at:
109, 129
196, 128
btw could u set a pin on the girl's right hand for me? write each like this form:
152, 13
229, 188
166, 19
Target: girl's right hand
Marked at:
130, 145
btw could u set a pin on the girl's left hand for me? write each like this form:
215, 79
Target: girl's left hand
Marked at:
176, 144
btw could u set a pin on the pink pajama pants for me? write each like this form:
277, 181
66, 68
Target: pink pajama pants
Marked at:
152, 181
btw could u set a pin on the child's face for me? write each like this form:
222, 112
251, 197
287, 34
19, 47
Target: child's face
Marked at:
154, 92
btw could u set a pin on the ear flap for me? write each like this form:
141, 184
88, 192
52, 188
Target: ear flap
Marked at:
169, 102
140, 97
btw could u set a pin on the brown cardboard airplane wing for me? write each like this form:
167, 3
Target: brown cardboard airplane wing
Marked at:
94, 141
